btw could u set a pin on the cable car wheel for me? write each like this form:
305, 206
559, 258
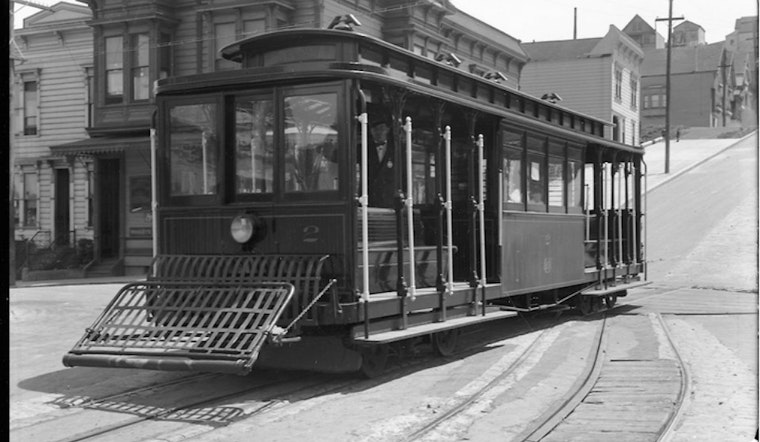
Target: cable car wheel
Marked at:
445, 342
610, 300
374, 360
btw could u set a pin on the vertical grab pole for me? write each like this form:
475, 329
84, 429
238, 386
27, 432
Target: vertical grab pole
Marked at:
410, 206
154, 189
620, 213
448, 207
644, 171
363, 203
482, 222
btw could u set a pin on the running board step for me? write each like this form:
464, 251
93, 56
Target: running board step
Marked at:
614, 289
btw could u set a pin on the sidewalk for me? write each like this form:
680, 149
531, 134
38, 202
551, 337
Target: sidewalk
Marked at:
684, 155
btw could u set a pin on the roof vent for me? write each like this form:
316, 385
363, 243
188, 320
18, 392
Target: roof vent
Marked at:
551, 97
344, 22
449, 58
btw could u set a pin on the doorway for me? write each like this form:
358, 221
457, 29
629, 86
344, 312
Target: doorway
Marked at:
109, 173
62, 223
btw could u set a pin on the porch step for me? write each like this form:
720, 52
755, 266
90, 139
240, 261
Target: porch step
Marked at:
106, 267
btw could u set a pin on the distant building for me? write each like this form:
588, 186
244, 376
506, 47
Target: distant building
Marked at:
644, 34
743, 44
137, 42
702, 84
596, 76
688, 33
52, 96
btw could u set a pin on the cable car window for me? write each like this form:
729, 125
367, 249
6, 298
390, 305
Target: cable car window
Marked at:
575, 179
254, 152
193, 149
311, 142
536, 171
556, 174
556, 181
513, 167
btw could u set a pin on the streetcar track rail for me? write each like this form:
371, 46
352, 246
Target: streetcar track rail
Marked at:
551, 420
464, 403
174, 413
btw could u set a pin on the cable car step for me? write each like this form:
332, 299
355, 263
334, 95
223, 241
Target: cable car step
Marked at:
158, 325
609, 290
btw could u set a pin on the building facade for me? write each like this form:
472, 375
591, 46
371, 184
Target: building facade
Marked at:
644, 34
688, 33
52, 96
152, 39
702, 85
596, 76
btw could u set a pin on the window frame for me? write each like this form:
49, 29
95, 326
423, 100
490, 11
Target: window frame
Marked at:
338, 88
118, 67
211, 199
231, 101
28, 106
540, 153
135, 65
618, 84
512, 205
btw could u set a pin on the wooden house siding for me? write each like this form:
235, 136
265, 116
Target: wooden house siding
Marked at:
584, 85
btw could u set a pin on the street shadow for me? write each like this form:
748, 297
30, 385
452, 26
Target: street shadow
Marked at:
148, 394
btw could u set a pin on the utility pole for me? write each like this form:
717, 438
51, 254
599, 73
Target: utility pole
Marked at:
723, 66
667, 83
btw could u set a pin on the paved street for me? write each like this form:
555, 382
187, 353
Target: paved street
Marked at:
703, 268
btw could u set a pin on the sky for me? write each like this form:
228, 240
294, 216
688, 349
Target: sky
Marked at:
543, 20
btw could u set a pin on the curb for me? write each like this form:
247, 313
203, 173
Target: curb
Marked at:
700, 162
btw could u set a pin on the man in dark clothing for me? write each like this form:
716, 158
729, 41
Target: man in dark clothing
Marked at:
380, 172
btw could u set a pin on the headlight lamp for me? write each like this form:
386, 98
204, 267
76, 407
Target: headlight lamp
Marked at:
242, 228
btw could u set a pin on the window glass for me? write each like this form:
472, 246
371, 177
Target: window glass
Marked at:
424, 143
30, 199
30, 108
556, 182
310, 140
574, 188
254, 152
193, 148
536, 180
114, 69
224, 34
140, 70
17, 192
513, 175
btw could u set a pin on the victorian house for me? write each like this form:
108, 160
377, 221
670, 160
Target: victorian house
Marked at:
596, 76
138, 42
51, 103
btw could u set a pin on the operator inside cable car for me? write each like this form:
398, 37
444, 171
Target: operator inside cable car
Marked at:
380, 161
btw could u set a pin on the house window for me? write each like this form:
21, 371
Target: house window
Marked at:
224, 34
89, 74
634, 93
30, 107
114, 69
25, 196
164, 56
618, 84
140, 50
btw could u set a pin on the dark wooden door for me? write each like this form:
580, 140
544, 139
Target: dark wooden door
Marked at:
109, 177
62, 207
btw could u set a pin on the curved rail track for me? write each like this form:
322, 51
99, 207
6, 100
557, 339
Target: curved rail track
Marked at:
646, 400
